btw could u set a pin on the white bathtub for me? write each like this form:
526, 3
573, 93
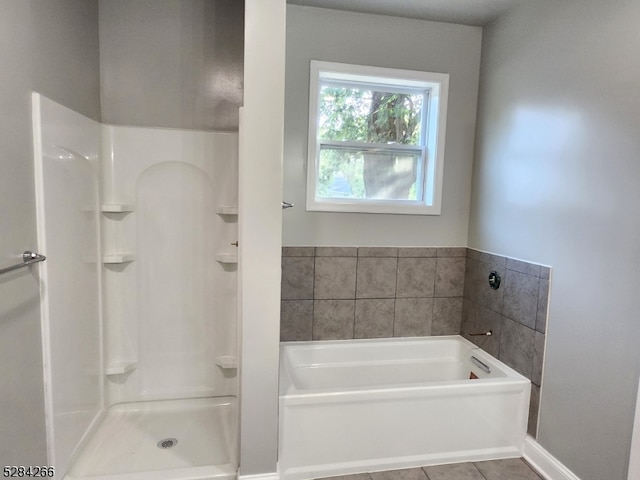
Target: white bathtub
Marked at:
369, 405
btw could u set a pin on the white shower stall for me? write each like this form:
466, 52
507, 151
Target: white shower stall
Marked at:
139, 297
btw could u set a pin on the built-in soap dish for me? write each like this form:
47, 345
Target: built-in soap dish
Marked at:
227, 362
226, 258
118, 258
120, 368
117, 208
227, 210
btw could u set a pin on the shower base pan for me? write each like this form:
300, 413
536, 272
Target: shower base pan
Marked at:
192, 439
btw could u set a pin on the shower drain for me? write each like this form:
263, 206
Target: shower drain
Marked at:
167, 443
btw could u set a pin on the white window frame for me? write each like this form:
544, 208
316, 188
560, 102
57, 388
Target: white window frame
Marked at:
434, 122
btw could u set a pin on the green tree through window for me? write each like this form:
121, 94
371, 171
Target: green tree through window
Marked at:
376, 139
353, 115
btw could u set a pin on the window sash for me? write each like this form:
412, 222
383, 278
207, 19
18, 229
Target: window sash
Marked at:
434, 115
374, 86
376, 148
391, 147
380, 87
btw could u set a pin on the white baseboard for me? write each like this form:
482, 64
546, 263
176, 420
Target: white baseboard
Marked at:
260, 476
546, 464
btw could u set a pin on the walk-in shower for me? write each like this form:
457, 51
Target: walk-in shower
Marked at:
139, 296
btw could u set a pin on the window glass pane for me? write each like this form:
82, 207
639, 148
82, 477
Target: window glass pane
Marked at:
367, 174
366, 115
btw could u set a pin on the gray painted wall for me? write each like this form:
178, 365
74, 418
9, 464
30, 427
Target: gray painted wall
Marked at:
363, 39
64, 54
557, 181
172, 64
48, 46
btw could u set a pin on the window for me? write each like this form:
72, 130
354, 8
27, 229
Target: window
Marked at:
376, 139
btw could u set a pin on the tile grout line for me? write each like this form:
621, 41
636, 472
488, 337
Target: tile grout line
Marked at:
355, 295
313, 295
425, 473
395, 294
478, 470
433, 303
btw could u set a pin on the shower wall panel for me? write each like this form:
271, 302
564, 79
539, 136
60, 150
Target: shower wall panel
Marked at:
66, 148
170, 219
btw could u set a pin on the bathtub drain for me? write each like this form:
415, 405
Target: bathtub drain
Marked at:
167, 443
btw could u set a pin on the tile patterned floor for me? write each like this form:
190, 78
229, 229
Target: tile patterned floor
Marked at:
510, 469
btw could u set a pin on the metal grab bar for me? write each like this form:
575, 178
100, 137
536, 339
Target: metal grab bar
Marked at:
28, 258
481, 364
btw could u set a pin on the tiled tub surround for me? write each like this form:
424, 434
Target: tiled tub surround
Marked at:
340, 293
516, 313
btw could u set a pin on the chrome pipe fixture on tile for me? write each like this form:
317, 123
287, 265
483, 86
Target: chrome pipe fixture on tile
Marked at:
481, 334
494, 280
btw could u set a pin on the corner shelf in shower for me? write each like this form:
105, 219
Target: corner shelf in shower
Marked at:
118, 258
117, 208
226, 257
227, 210
227, 362
120, 368
119, 211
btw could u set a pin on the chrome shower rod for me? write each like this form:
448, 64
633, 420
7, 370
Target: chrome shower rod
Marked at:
28, 258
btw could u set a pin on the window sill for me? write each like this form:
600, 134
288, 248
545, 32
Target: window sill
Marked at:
393, 208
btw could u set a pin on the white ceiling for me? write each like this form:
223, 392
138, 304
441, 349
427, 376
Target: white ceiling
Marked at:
466, 12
